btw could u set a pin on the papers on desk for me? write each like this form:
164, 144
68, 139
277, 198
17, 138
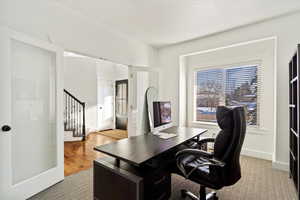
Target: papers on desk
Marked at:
166, 135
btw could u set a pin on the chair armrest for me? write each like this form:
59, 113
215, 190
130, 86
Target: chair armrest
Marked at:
206, 157
217, 162
206, 140
195, 152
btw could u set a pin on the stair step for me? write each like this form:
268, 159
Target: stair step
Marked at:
68, 137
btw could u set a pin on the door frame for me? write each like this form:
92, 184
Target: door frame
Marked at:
35, 184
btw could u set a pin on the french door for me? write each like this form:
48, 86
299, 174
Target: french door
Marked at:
31, 123
121, 103
140, 79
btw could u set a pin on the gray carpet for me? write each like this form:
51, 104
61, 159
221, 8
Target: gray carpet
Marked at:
259, 182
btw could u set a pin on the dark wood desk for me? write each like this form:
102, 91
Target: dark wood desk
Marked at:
141, 182
138, 150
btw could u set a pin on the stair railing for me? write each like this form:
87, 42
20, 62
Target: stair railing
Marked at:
74, 115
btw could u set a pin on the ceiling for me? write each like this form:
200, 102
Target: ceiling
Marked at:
164, 22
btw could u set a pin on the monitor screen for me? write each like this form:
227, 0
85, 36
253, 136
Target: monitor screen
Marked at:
165, 112
162, 113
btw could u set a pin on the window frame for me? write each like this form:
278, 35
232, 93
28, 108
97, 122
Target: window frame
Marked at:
192, 89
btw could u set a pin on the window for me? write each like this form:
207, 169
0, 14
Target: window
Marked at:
234, 86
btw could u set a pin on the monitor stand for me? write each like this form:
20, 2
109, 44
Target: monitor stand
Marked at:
160, 129
157, 132
164, 135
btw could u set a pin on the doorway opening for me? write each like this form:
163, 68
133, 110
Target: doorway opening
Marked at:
95, 108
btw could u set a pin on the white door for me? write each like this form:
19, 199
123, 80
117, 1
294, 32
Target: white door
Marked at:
140, 79
30, 105
105, 104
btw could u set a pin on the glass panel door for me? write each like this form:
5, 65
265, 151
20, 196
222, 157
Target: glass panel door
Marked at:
31, 117
121, 104
33, 111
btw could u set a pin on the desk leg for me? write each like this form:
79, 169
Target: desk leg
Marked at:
117, 162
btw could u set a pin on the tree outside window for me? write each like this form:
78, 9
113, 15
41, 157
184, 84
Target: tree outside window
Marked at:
236, 86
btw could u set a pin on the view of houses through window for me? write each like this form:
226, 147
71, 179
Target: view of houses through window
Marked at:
235, 86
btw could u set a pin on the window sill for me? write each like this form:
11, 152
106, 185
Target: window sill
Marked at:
214, 126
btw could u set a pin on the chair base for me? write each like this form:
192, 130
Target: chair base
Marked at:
203, 196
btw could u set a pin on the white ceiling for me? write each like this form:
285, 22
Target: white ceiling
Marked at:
163, 22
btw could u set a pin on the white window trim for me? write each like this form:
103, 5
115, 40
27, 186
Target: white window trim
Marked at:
183, 83
214, 126
191, 97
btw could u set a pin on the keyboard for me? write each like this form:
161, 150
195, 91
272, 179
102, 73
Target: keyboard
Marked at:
166, 135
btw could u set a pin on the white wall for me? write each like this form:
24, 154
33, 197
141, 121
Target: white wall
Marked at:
48, 20
80, 79
288, 34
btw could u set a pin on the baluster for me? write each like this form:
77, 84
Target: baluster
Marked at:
80, 119
80, 114
66, 104
83, 121
73, 116
77, 118
64, 111
71, 113
65, 116
68, 112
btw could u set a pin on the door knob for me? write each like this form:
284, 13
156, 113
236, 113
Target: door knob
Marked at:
6, 128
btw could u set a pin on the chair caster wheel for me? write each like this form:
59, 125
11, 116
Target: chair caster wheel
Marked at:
215, 197
183, 193
212, 197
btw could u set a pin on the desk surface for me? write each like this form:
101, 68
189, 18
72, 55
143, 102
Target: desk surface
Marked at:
139, 149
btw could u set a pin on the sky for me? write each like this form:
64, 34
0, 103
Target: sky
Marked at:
234, 77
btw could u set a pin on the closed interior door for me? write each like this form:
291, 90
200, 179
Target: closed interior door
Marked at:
121, 104
105, 104
31, 144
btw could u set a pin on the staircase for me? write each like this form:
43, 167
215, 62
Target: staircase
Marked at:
74, 118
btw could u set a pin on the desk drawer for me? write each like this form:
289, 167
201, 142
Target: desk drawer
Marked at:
111, 183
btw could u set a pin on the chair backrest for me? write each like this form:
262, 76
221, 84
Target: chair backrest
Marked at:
229, 142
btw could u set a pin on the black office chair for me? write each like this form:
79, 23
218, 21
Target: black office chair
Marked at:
222, 167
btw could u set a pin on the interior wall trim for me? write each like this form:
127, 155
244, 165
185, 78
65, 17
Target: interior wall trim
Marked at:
280, 165
257, 154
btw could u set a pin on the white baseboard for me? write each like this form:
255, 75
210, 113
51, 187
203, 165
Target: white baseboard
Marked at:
257, 154
266, 156
280, 165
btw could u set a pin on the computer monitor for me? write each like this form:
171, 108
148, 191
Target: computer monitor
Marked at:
162, 115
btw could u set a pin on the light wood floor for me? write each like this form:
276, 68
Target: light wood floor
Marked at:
116, 133
80, 155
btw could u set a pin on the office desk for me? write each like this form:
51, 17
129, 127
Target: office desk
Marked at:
140, 149
140, 180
